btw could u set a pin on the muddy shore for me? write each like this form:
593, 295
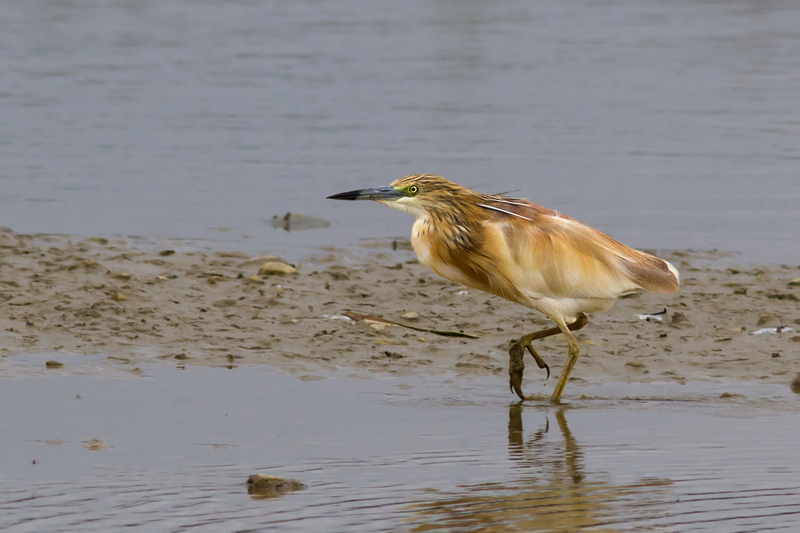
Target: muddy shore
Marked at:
60, 295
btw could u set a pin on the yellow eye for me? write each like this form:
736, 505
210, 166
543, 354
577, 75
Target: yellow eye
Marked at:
413, 189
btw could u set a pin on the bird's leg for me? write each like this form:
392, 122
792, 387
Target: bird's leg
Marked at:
574, 352
515, 364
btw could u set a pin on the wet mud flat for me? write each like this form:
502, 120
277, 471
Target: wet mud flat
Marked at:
172, 450
144, 387
77, 299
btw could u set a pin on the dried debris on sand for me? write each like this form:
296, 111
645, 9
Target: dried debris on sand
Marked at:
131, 305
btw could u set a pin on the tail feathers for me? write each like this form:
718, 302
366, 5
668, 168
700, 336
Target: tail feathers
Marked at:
653, 274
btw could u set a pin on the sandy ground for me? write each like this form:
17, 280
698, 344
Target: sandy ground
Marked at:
65, 296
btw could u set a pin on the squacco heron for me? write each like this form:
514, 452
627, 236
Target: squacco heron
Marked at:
522, 252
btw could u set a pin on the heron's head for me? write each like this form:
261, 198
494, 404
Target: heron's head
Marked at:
418, 194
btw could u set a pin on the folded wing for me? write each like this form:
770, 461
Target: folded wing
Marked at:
556, 256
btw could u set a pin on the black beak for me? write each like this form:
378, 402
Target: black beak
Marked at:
376, 193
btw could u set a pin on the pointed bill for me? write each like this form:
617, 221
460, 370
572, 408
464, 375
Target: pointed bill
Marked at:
376, 193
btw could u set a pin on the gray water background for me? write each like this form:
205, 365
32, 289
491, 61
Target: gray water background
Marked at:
667, 124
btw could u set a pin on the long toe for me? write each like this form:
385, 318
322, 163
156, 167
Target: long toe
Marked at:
539, 361
516, 367
516, 383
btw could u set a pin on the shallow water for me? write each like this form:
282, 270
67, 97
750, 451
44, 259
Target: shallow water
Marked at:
391, 454
669, 125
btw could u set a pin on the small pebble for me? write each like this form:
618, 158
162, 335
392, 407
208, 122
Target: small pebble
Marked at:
53, 364
260, 260
271, 486
795, 385
276, 268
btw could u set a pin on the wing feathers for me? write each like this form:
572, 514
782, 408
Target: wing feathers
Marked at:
494, 208
563, 258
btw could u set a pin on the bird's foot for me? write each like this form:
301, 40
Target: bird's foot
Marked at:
516, 366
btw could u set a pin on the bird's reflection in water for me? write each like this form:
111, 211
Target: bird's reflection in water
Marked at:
539, 453
551, 491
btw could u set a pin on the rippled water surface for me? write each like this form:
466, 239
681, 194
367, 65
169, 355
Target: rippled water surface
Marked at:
393, 454
669, 124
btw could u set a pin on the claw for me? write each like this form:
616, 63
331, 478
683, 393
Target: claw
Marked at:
515, 385
539, 360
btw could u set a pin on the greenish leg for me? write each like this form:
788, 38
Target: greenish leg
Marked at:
516, 366
574, 352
